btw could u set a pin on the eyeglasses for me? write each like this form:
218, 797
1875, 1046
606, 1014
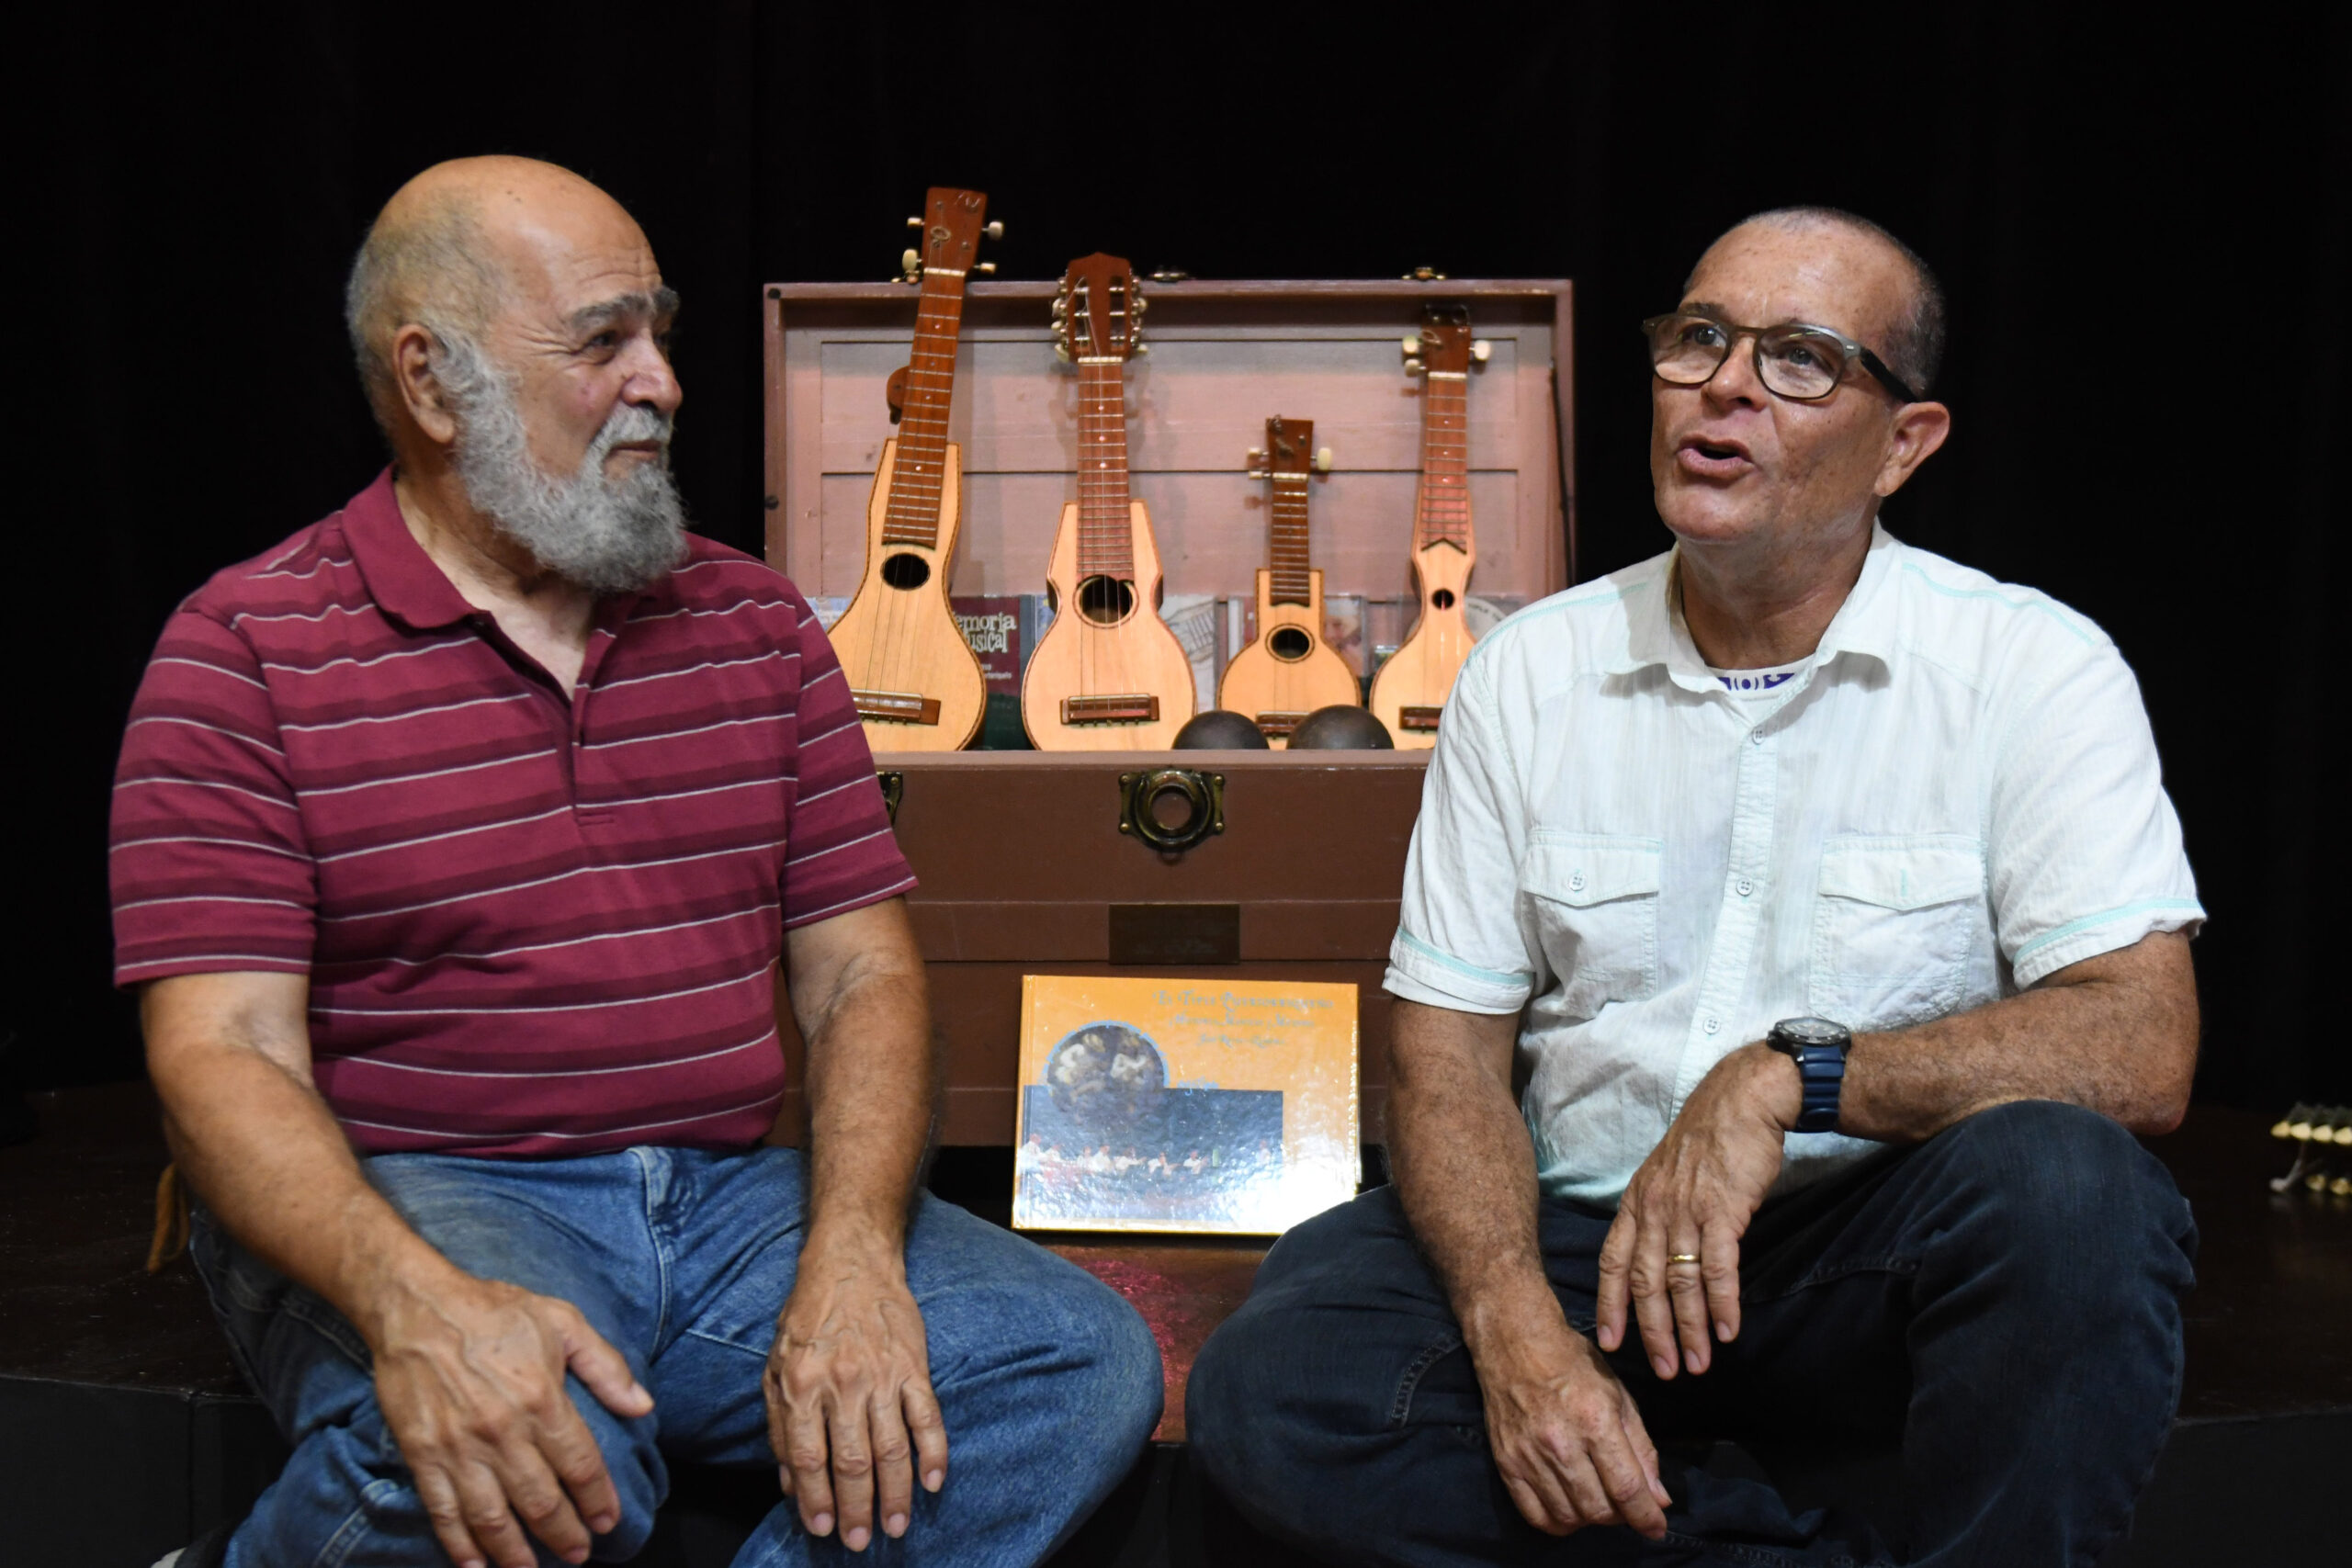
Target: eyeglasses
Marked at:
1802, 362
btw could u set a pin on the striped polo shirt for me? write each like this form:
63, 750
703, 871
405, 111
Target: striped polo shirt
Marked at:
533, 925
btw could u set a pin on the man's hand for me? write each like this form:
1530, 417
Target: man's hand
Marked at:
1565, 1436
470, 1374
851, 1413
1674, 1249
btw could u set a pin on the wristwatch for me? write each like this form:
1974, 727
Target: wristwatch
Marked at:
1818, 1048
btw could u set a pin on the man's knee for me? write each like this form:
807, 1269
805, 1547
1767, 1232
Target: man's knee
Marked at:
2074, 1200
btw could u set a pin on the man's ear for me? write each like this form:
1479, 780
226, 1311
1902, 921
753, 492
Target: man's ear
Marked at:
421, 391
1919, 429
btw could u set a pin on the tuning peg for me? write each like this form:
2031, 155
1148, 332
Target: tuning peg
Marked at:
1061, 306
910, 260
1140, 349
1322, 459
914, 223
1140, 306
984, 266
995, 231
1412, 367
1412, 345
1481, 350
1424, 275
1061, 352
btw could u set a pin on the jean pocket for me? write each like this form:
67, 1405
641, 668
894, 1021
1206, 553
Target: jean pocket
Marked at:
1895, 919
1595, 898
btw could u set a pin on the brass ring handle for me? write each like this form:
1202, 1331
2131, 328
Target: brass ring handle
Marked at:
1204, 794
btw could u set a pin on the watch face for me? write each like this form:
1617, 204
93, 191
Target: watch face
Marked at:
1811, 1032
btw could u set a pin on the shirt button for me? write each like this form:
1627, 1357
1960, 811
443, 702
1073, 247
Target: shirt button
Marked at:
1755, 737
1575, 882
1745, 886
1713, 1024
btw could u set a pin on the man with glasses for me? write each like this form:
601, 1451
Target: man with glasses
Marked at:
1794, 936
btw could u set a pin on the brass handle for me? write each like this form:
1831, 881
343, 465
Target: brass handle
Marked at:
894, 789
1204, 794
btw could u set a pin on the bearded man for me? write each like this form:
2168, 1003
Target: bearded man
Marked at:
458, 840
1795, 933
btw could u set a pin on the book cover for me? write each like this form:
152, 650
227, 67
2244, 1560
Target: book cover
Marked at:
992, 625
1206, 1105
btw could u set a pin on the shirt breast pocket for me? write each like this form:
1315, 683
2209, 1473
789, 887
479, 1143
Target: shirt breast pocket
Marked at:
1895, 921
1595, 899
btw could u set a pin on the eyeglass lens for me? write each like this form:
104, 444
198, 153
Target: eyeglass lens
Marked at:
1795, 361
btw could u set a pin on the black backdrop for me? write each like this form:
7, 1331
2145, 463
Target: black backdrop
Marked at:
2143, 231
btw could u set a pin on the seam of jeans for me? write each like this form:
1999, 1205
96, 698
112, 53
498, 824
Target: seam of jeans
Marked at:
354, 1529
721, 1342
1886, 1263
660, 1255
1402, 1406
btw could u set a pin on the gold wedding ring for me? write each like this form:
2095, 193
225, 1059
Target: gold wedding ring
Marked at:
1682, 1257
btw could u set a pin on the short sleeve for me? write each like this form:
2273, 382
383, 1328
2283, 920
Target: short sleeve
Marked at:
840, 853
1458, 939
2085, 853
208, 862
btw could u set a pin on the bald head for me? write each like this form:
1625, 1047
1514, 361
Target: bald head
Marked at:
449, 249
1912, 340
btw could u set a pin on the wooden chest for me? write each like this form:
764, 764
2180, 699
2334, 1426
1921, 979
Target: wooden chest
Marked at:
1032, 861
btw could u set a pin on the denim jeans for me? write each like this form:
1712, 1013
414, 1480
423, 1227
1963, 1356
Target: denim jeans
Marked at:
2002, 1300
682, 1259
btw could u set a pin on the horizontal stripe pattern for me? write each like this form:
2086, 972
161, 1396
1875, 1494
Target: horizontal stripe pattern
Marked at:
531, 926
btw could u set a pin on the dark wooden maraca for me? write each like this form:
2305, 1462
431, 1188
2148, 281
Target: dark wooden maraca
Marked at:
1220, 729
1340, 728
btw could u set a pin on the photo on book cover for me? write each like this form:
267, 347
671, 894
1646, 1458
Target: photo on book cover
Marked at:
1184, 1105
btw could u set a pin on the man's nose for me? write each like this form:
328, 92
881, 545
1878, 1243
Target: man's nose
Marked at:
1735, 380
652, 381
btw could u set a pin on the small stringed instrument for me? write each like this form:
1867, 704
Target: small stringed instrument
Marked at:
1410, 689
917, 683
1108, 675
1288, 671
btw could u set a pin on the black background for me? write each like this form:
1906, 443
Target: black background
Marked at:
2141, 227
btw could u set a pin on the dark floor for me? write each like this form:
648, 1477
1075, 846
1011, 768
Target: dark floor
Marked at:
108, 1370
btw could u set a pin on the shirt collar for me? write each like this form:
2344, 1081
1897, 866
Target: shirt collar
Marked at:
1655, 633
400, 577
408, 586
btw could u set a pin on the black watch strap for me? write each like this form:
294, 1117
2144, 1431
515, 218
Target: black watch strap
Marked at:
1819, 1048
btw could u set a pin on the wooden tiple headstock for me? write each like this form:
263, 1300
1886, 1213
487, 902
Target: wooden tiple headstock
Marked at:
1290, 447
950, 232
1099, 312
1443, 344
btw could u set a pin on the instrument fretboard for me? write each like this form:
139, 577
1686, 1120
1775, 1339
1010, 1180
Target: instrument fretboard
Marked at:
1288, 577
1105, 537
912, 517
1443, 512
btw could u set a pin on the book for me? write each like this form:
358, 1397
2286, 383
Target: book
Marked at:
1201, 1105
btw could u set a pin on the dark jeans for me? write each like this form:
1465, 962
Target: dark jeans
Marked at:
2003, 1300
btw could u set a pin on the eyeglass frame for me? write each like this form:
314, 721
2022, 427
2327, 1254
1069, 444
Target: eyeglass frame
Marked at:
1854, 351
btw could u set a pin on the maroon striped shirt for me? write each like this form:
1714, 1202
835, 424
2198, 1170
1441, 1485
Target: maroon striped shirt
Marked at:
532, 926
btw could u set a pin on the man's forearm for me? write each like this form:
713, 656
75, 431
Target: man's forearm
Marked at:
264, 1154
1462, 1165
2116, 1035
873, 1093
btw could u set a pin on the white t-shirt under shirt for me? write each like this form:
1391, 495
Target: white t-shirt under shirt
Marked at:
1956, 795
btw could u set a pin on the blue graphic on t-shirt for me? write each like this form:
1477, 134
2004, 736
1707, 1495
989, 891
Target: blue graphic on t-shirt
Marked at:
1756, 680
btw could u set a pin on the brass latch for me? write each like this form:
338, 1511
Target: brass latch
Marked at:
894, 789
1204, 798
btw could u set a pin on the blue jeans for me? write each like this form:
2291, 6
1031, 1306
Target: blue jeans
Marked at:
2002, 1300
682, 1259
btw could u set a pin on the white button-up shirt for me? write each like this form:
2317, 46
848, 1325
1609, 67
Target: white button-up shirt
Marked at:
1955, 796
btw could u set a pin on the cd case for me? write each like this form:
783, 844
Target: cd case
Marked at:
1220, 1106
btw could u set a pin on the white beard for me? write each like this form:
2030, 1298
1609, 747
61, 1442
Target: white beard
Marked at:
605, 536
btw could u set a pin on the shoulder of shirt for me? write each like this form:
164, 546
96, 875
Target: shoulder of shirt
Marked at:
713, 571
1953, 611
309, 567
1574, 628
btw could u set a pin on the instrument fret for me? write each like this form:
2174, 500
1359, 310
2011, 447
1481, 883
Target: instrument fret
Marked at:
1441, 511
1105, 540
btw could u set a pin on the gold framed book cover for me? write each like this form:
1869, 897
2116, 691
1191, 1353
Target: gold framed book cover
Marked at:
1201, 1105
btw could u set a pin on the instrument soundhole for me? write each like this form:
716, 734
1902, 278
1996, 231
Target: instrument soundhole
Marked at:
905, 571
1105, 600
1442, 599
1289, 642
